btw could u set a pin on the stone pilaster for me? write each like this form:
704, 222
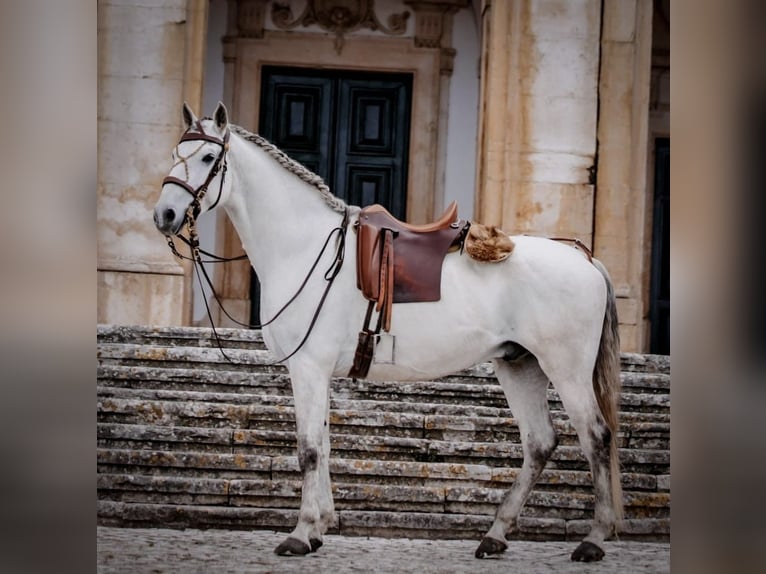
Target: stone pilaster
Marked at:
433, 29
537, 143
621, 200
150, 60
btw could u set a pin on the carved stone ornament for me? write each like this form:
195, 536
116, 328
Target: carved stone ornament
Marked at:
338, 16
250, 16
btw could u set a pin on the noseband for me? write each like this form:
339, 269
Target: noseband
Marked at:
193, 211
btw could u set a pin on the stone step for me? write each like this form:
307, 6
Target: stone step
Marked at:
353, 445
568, 505
378, 471
387, 524
636, 407
150, 405
186, 438
367, 418
252, 339
467, 390
435, 417
180, 336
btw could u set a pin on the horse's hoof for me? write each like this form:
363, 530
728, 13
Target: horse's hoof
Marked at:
292, 546
316, 544
587, 552
490, 546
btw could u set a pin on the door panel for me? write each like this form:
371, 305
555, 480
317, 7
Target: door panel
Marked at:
373, 142
368, 184
296, 115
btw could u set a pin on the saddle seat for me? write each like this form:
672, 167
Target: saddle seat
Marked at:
398, 262
382, 216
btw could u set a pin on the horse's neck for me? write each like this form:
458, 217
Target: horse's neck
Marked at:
281, 220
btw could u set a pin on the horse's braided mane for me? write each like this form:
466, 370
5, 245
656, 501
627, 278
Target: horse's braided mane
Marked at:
292, 166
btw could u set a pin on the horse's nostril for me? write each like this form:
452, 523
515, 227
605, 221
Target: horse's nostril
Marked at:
170, 215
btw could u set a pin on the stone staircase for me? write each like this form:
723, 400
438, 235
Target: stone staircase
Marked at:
186, 439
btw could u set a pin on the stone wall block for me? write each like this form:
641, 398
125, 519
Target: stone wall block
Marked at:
563, 67
123, 296
129, 154
620, 20
148, 100
555, 210
563, 124
555, 167
132, 37
563, 18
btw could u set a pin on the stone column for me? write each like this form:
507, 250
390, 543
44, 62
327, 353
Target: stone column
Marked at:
150, 61
537, 142
622, 241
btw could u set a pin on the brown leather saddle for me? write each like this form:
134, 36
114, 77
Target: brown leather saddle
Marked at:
398, 262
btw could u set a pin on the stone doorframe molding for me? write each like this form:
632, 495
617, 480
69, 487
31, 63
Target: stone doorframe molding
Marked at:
428, 56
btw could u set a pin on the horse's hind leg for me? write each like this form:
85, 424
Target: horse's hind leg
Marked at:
525, 386
579, 400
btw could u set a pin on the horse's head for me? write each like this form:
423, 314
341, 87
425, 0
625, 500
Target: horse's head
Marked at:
197, 181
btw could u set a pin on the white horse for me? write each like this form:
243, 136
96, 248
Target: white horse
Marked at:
546, 313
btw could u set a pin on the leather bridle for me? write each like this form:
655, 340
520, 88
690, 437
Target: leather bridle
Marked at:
198, 194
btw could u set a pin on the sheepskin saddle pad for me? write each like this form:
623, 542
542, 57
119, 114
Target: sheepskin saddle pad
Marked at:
487, 244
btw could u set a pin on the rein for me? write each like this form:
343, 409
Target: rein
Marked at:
193, 212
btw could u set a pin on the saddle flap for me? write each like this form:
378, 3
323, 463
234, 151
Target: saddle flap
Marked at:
368, 250
418, 254
418, 264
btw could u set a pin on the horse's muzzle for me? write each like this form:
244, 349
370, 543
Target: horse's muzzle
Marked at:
168, 220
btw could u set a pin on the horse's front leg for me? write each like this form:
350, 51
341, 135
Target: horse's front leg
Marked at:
312, 408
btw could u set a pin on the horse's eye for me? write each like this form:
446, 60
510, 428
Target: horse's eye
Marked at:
208, 158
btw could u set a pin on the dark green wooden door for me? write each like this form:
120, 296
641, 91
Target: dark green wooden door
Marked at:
350, 127
660, 287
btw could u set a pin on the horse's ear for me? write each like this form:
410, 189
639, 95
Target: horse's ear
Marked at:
189, 118
221, 116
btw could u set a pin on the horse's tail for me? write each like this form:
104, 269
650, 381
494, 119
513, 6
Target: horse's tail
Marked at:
606, 384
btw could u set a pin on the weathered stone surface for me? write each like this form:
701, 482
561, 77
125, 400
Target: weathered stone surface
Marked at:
163, 489
155, 433
429, 471
179, 336
631, 529
199, 379
151, 461
194, 516
126, 551
645, 363
129, 353
416, 525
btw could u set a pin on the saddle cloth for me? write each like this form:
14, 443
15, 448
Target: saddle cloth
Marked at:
399, 262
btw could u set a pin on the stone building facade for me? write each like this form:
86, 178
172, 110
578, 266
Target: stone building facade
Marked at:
540, 116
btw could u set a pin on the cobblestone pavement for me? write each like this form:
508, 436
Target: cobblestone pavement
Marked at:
150, 550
